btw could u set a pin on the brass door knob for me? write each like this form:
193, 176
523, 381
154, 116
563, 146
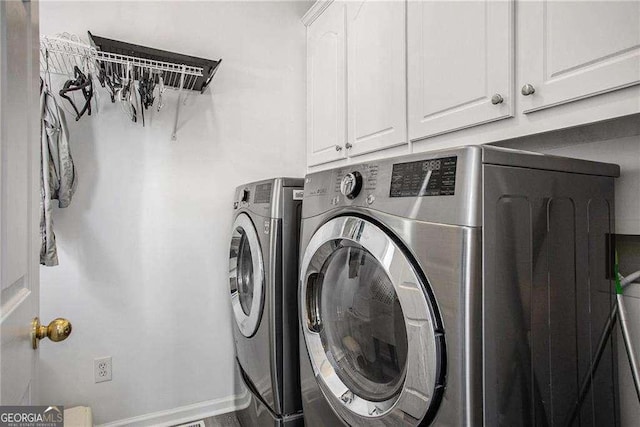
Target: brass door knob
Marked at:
58, 330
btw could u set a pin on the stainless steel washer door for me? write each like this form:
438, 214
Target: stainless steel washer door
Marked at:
246, 275
369, 326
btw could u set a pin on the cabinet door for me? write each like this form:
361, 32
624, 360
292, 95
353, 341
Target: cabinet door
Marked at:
570, 50
376, 75
460, 55
326, 86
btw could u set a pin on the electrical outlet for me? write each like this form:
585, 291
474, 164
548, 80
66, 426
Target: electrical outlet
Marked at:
102, 369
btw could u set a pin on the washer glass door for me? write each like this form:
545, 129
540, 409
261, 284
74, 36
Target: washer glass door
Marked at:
363, 327
246, 275
370, 327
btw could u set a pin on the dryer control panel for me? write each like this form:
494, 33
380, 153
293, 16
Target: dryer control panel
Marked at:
267, 197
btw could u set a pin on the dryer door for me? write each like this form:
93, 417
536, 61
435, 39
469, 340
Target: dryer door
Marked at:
371, 327
246, 275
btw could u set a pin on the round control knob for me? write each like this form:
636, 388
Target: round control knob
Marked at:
245, 195
351, 184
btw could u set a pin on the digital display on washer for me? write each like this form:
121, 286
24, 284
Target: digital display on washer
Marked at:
263, 193
432, 177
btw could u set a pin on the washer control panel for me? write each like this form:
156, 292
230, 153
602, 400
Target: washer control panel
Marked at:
368, 184
440, 186
432, 177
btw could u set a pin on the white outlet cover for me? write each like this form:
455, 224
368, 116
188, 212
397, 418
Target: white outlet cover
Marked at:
102, 369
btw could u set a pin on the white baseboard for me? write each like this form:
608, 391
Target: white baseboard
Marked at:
184, 414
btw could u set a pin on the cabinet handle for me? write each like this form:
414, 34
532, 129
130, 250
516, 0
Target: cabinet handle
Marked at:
497, 99
528, 90
338, 147
348, 145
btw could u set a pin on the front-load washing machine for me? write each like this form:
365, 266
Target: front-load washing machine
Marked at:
263, 265
467, 287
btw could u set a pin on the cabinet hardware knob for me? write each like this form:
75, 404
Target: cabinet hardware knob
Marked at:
528, 90
338, 147
348, 145
497, 99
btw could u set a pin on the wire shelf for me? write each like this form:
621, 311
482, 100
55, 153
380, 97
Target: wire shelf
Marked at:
60, 54
198, 72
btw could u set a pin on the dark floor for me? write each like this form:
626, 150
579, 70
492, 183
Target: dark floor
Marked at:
224, 420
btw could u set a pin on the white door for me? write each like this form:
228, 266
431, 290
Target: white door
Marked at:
569, 50
376, 95
326, 86
19, 199
460, 64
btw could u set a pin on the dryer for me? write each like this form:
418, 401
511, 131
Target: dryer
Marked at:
263, 265
461, 287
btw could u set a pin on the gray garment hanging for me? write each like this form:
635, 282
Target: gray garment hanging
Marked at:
58, 179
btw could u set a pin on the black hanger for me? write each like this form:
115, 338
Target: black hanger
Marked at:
112, 81
102, 73
82, 83
146, 86
127, 95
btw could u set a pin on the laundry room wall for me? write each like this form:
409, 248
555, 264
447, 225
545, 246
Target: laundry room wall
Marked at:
616, 141
143, 247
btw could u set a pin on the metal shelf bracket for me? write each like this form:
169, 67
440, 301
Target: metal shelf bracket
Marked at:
179, 104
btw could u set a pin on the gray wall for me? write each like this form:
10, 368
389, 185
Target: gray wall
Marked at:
144, 245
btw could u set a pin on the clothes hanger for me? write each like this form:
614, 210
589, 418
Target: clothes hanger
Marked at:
89, 65
125, 92
146, 86
83, 83
114, 82
102, 73
135, 90
45, 84
133, 100
160, 90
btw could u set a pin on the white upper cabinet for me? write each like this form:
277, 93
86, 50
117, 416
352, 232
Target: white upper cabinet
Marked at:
326, 86
573, 50
376, 95
460, 64
393, 77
